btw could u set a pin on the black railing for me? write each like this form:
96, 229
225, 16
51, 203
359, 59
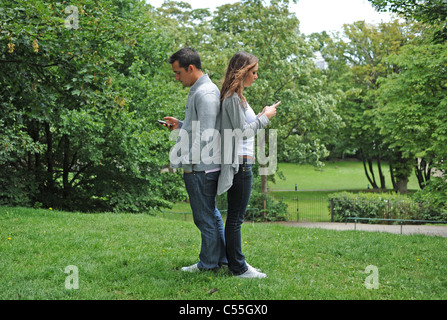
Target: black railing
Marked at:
320, 209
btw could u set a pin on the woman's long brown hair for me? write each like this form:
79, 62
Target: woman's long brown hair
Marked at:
237, 69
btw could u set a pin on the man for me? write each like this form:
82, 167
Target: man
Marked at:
202, 114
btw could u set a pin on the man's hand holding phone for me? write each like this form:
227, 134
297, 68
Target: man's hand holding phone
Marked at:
170, 122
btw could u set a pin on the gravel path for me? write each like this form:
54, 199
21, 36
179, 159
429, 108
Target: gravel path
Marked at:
405, 229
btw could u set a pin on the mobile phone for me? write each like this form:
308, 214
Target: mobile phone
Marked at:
164, 123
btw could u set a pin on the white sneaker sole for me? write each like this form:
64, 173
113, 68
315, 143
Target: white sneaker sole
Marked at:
192, 268
251, 273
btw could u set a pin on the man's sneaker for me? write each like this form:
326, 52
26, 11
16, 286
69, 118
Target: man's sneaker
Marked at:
252, 273
193, 268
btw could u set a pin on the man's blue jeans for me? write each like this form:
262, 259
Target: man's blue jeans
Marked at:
238, 197
202, 189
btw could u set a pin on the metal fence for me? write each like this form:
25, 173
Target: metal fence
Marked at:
311, 207
291, 208
307, 209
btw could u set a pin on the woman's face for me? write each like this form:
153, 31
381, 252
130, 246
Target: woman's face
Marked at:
251, 76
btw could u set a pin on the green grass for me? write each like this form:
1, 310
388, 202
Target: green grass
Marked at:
125, 256
338, 175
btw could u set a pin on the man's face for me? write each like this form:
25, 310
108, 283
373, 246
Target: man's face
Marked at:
184, 76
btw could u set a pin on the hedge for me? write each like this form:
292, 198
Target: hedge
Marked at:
382, 206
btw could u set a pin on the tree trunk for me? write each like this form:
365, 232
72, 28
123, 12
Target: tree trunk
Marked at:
371, 170
393, 179
371, 181
422, 171
264, 190
402, 186
381, 176
66, 167
50, 164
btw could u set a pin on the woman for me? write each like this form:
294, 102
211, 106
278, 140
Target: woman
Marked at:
239, 126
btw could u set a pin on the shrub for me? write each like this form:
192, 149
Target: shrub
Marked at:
276, 210
17, 188
433, 199
381, 206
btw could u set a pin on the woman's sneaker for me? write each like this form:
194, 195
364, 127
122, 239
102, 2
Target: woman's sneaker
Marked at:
252, 273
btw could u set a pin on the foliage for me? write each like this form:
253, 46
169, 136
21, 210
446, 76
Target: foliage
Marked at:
80, 103
275, 210
416, 102
356, 62
16, 186
434, 197
413, 111
432, 12
382, 206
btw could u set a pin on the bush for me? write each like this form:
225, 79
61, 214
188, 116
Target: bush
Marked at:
17, 188
433, 199
381, 206
276, 210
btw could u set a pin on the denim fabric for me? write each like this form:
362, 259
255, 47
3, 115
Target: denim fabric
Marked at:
202, 190
238, 197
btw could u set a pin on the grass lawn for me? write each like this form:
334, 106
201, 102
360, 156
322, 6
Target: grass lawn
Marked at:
338, 175
126, 256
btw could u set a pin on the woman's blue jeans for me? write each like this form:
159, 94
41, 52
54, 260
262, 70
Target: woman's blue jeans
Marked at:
238, 197
202, 189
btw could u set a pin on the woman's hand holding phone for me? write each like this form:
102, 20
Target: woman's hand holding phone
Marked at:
270, 111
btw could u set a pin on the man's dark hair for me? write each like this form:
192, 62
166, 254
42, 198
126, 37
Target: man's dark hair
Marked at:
186, 57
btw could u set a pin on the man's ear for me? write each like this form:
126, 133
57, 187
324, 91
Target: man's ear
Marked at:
191, 68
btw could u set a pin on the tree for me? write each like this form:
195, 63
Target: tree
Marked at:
81, 88
364, 55
413, 107
431, 12
419, 90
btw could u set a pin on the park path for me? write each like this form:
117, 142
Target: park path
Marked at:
440, 231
